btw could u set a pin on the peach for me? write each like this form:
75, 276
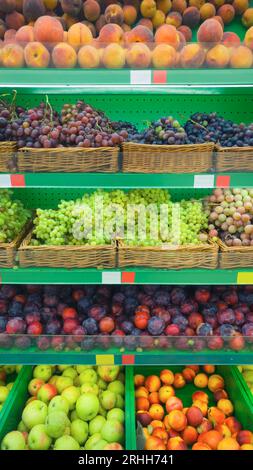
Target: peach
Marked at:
196, 3
230, 39
188, 374
210, 31
185, 409
138, 55
152, 383
211, 438
154, 398
199, 395
166, 423
179, 5
68, 20
10, 36
220, 393
248, 40
194, 367
14, 20
79, 35
240, 6
129, 14
147, 23
91, 10
247, 18
200, 446
167, 377
125, 28
12, 55
191, 17
113, 56
244, 437
141, 392
207, 11
165, 392
177, 420
50, 4
241, 58
233, 424
154, 443
215, 382
88, 25
204, 426
186, 31
174, 18
227, 13
114, 14
226, 406
139, 34
25, 34
218, 57
148, 8
216, 416
192, 56
208, 369
48, 30
189, 435
36, 55
142, 404
156, 411
220, 20
143, 417
172, 433
179, 381
110, 33
158, 19
157, 423
194, 416
223, 430
246, 447
64, 56
202, 406
218, 3
164, 56
164, 5
161, 433
201, 379
167, 34
228, 443
3, 28
176, 443
173, 403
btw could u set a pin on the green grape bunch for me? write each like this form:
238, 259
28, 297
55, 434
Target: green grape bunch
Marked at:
13, 216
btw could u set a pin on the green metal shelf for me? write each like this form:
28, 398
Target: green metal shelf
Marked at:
125, 276
125, 180
126, 358
125, 80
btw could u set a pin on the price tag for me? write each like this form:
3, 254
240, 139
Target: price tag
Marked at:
128, 277
203, 181
111, 277
5, 181
105, 360
245, 278
128, 359
140, 77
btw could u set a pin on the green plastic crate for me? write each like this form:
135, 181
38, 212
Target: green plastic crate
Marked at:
242, 404
9, 378
14, 405
244, 385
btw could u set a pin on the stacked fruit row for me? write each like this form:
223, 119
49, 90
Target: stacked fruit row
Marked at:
207, 422
131, 317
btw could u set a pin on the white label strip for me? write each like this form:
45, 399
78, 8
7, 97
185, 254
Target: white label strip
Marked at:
5, 181
111, 278
140, 77
203, 181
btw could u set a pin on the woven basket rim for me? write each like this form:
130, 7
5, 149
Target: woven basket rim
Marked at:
233, 249
209, 145
19, 238
161, 249
219, 148
68, 149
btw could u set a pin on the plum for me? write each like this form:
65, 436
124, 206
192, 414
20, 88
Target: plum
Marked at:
97, 312
15, 309
202, 295
130, 305
3, 322
43, 343
178, 296
50, 300
163, 313
53, 327
226, 316
156, 326
23, 342
127, 327
16, 326
83, 305
247, 329
181, 321
90, 326
210, 309
204, 329
118, 297
3, 307
226, 331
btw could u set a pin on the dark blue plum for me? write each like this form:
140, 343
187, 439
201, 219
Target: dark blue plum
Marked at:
88, 343
130, 291
136, 332
50, 300
91, 326
119, 297
226, 316
247, 329
130, 342
210, 309
8, 292
178, 296
162, 297
15, 309
34, 299
226, 331
156, 326
150, 290
180, 321
97, 312
3, 322
127, 327
23, 342
204, 329
53, 327
31, 308
83, 305
130, 305
51, 289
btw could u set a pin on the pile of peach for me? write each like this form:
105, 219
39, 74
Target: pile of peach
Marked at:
45, 43
167, 424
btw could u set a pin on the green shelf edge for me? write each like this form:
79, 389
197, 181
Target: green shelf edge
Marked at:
112, 276
125, 180
144, 358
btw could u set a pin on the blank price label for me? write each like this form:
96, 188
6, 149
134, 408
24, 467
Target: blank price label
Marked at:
140, 77
203, 181
105, 360
5, 181
245, 278
111, 278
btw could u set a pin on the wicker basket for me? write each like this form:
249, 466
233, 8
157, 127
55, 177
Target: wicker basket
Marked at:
234, 159
66, 256
169, 257
231, 257
7, 156
69, 160
144, 158
8, 251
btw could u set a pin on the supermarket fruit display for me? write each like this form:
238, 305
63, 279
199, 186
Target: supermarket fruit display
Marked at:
141, 318
230, 214
13, 217
208, 423
7, 374
247, 373
96, 34
71, 408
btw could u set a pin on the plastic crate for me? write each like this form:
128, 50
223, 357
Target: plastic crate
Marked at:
240, 399
244, 385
